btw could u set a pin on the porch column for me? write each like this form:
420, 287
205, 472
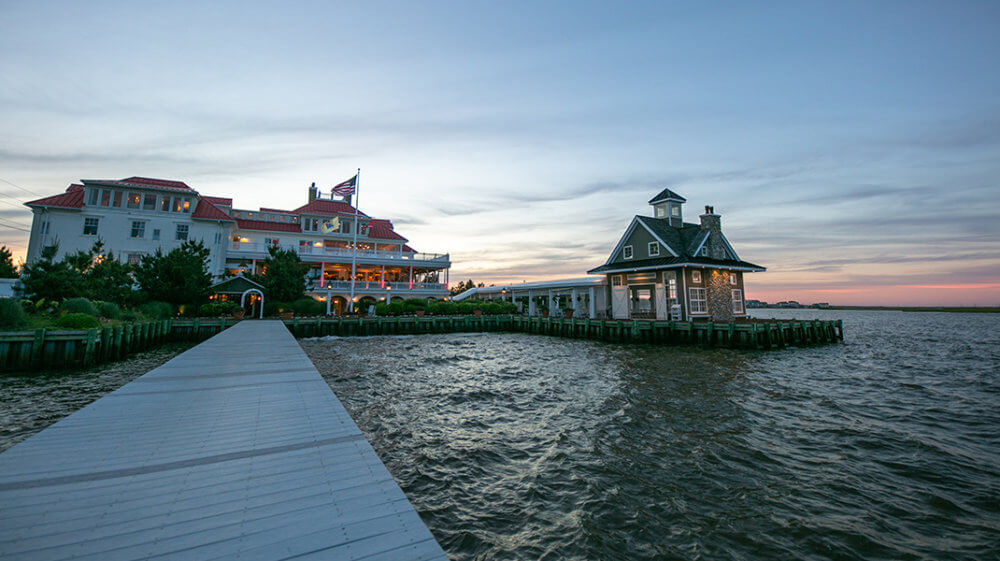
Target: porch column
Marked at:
329, 296
531, 304
552, 303
322, 281
575, 306
382, 278
593, 305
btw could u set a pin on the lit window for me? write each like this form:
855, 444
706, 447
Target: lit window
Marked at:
90, 226
138, 229
165, 204
732, 279
699, 304
696, 277
627, 252
738, 302
105, 197
133, 199
654, 249
182, 231
149, 202
187, 205
672, 289
177, 204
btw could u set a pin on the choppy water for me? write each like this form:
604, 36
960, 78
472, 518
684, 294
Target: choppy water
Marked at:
526, 447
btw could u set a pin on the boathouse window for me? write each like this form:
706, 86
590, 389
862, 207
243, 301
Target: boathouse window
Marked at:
738, 301
138, 229
732, 279
90, 226
132, 201
616, 280
675, 211
627, 252
654, 249
696, 277
182, 232
704, 251
699, 305
672, 289
149, 202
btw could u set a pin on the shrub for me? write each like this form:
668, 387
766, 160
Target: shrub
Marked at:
108, 310
79, 306
156, 310
415, 304
77, 320
308, 307
381, 309
213, 309
274, 307
396, 308
12, 314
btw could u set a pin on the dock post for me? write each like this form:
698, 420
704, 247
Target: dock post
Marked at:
37, 346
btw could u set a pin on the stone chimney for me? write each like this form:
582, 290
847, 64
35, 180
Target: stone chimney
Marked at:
313, 192
712, 223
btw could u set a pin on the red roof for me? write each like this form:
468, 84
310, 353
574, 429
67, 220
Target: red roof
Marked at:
382, 230
208, 211
144, 182
223, 201
278, 210
329, 208
408, 249
268, 226
72, 198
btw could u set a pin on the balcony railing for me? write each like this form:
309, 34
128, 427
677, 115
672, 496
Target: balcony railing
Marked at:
341, 252
395, 287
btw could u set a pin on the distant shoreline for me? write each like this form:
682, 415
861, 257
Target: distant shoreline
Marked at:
950, 309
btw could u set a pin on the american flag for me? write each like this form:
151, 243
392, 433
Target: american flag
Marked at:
346, 188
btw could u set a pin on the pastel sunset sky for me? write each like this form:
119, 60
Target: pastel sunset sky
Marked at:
852, 148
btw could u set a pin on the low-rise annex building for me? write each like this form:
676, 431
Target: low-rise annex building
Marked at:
138, 215
664, 268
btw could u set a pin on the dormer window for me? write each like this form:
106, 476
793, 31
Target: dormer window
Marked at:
704, 251
654, 249
675, 211
627, 252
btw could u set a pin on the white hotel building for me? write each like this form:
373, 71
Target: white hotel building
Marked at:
137, 215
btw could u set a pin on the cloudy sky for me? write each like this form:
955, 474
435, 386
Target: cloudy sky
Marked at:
853, 148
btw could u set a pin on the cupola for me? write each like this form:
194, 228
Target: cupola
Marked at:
667, 205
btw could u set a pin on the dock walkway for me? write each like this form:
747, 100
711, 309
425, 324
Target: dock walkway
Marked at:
236, 448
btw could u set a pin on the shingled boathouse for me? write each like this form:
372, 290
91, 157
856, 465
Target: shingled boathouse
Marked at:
664, 268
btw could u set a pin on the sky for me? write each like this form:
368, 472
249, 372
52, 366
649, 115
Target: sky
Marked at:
852, 148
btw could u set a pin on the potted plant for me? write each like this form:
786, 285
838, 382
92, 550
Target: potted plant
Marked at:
238, 313
568, 313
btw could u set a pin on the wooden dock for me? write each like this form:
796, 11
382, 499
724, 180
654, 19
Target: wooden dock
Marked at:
236, 448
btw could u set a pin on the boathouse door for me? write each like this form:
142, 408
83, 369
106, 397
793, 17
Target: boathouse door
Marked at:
619, 300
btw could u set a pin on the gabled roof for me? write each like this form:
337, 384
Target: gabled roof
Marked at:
267, 226
147, 182
672, 262
667, 195
327, 208
408, 249
223, 201
382, 230
236, 285
208, 211
72, 198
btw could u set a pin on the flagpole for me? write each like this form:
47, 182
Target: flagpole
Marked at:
354, 254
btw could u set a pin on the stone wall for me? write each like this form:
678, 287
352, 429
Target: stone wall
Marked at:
720, 294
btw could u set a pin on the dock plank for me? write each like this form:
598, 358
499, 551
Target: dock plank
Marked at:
236, 447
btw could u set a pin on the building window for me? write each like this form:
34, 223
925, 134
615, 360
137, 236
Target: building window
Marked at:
149, 202
672, 289
134, 258
699, 305
660, 212
627, 252
732, 279
738, 301
93, 197
165, 204
654, 249
182, 231
133, 199
44, 228
177, 204
704, 251
675, 211
616, 280
105, 197
271, 242
90, 226
186, 206
156, 233
118, 199
304, 246
696, 277
138, 229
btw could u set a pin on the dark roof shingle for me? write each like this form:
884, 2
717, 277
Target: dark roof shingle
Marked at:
667, 195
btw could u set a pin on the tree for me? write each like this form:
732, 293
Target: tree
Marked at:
462, 287
52, 280
108, 278
284, 275
179, 277
7, 270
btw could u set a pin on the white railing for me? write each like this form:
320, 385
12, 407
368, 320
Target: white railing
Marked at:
340, 252
395, 287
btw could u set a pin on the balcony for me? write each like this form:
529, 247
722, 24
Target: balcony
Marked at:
315, 254
396, 288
